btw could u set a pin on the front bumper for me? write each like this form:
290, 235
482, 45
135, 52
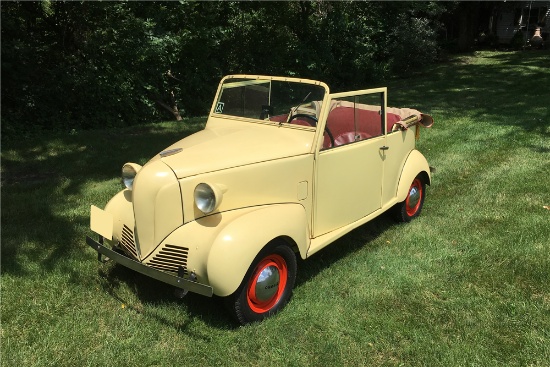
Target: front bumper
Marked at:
176, 281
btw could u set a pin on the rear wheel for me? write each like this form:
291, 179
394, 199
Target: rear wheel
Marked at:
410, 208
267, 286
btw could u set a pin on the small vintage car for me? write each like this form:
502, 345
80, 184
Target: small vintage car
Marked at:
283, 168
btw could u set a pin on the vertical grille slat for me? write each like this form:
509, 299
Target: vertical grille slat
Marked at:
170, 258
127, 242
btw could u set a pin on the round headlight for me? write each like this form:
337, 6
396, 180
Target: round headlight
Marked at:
207, 198
129, 172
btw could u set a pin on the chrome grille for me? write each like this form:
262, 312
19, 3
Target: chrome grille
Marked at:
170, 258
127, 242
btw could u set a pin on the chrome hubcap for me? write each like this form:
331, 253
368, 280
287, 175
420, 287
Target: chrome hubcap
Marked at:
414, 196
267, 283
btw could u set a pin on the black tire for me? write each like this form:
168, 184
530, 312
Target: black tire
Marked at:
411, 207
277, 265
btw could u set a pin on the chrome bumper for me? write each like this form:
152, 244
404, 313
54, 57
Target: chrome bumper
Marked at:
176, 281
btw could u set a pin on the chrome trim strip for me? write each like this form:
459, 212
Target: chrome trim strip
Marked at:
169, 152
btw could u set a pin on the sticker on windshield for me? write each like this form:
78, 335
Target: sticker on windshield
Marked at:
219, 107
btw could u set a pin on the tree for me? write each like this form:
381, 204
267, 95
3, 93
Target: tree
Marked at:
68, 65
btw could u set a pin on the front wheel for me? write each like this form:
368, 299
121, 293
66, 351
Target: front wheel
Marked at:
410, 208
267, 285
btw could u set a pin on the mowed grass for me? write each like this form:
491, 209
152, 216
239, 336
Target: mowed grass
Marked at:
465, 284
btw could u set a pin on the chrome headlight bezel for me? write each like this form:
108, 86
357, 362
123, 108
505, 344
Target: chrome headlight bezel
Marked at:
207, 197
129, 172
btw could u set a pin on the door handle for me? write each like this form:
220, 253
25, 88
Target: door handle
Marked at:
384, 148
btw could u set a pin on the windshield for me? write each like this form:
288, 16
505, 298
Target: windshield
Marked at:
271, 100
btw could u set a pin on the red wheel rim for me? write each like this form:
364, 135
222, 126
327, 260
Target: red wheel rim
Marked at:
414, 198
267, 283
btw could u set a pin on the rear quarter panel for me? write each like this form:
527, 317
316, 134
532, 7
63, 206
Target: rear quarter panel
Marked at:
400, 144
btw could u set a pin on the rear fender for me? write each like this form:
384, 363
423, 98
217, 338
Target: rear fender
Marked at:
238, 243
415, 165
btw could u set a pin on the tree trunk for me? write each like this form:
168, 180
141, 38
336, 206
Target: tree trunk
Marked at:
467, 24
172, 107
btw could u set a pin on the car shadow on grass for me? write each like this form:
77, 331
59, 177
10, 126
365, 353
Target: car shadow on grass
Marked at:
211, 311
152, 294
357, 240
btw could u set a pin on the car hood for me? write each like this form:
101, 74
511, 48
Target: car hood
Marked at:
218, 148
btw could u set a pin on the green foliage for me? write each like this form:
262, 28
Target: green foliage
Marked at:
73, 65
413, 45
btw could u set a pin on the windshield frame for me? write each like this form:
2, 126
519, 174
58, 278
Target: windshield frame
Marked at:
267, 79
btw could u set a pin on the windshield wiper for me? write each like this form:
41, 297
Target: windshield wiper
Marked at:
295, 109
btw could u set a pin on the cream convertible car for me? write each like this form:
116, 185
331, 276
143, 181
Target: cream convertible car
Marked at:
283, 168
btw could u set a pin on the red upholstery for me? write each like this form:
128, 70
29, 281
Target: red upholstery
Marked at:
279, 118
340, 122
350, 137
297, 121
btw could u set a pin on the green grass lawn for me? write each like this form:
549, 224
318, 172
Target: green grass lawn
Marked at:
465, 284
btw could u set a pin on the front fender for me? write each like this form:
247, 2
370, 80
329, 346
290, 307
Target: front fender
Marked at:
122, 210
416, 164
238, 243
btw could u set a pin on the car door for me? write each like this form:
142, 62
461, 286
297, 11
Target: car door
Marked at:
350, 163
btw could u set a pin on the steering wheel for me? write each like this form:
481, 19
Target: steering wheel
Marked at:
314, 120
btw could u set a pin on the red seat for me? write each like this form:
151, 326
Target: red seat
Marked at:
342, 122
